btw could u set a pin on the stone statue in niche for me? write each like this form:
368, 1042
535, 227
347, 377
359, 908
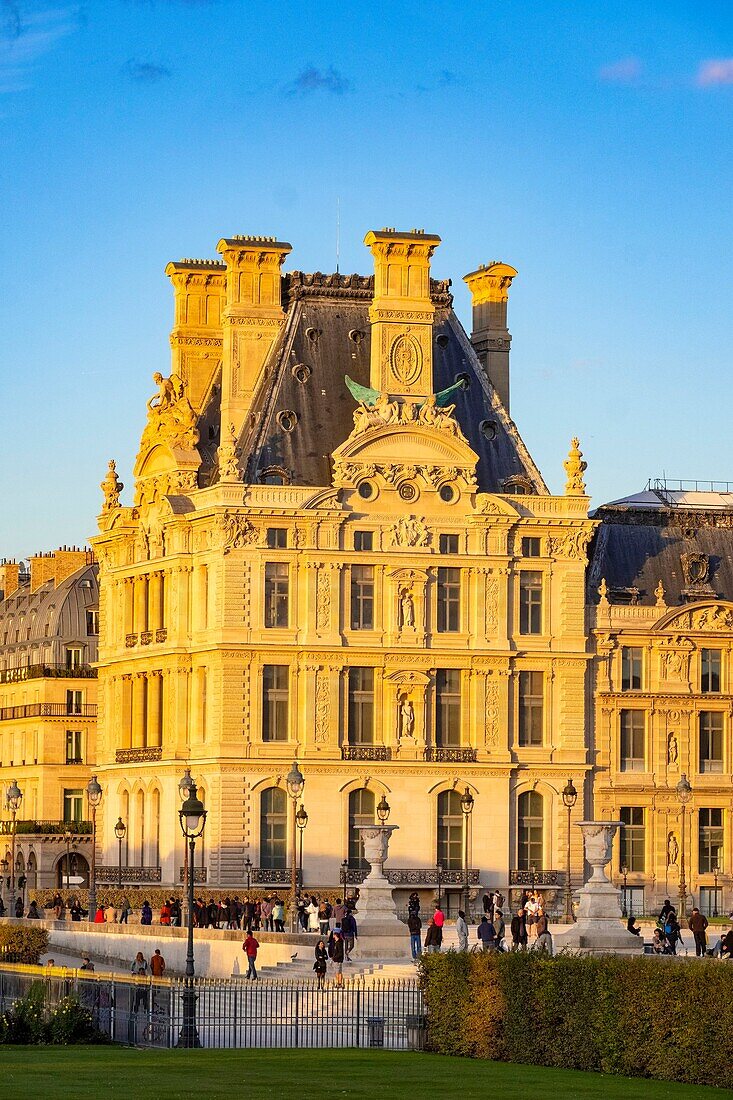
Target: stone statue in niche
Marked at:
672, 749
406, 719
673, 850
407, 609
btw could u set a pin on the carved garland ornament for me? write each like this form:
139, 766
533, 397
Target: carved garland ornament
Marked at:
237, 532
323, 706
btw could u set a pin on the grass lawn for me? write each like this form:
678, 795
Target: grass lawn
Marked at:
117, 1073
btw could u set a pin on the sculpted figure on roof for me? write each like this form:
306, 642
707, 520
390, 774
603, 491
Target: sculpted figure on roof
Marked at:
171, 418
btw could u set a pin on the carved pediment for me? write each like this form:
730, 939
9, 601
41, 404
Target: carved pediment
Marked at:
407, 678
709, 616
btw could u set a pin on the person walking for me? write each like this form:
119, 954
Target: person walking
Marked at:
486, 933
126, 910
165, 913
500, 929
339, 910
543, 936
324, 913
249, 947
518, 930
320, 964
433, 937
439, 915
462, 931
146, 913
673, 932
266, 915
414, 924
139, 969
697, 924
413, 903
157, 964
337, 956
278, 915
349, 931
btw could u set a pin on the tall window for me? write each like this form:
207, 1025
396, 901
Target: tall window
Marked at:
631, 668
362, 597
710, 670
363, 540
711, 741
275, 702
530, 602
531, 692
140, 800
74, 702
448, 708
448, 544
277, 591
632, 838
530, 829
632, 741
273, 828
74, 657
449, 599
155, 828
73, 806
361, 812
92, 622
361, 706
531, 547
710, 840
74, 749
450, 831
277, 538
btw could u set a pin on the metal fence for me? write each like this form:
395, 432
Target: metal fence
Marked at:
235, 1013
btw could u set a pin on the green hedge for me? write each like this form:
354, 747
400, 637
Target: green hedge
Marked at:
639, 1017
22, 944
30, 1021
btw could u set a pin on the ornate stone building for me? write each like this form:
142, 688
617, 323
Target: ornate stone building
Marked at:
49, 622
661, 695
338, 549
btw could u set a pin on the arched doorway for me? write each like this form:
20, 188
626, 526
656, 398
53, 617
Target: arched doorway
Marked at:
78, 872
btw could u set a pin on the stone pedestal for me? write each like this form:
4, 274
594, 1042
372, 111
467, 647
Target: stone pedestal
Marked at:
381, 934
599, 928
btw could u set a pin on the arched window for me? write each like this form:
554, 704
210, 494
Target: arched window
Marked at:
155, 828
361, 812
450, 831
273, 828
529, 831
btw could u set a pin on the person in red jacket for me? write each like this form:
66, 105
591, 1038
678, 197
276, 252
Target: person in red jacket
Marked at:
249, 947
165, 913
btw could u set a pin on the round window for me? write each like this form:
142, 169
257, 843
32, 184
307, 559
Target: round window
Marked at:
408, 491
366, 490
447, 493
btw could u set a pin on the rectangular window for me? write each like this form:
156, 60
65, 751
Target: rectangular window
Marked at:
711, 741
531, 692
363, 540
631, 852
531, 547
92, 622
449, 600
711, 900
710, 670
710, 840
530, 602
448, 708
277, 538
74, 753
73, 806
362, 597
361, 706
74, 702
275, 682
277, 593
448, 544
632, 741
74, 657
631, 668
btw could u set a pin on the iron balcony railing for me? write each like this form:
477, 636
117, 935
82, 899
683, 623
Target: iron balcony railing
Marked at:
365, 752
199, 874
129, 874
451, 755
46, 828
270, 876
41, 672
139, 755
417, 876
48, 710
536, 878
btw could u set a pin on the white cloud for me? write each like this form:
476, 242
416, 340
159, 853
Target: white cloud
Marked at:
626, 71
715, 72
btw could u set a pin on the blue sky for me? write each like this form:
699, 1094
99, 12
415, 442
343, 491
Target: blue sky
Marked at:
588, 145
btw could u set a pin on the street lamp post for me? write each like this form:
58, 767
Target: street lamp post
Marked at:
684, 794
301, 820
94, 797
192, 816
184, 790
467, 803
295, 783
344, 878
67, 838
625, 907
120, 831
248, 871
13, 799
569, 798
716, 872
439, 880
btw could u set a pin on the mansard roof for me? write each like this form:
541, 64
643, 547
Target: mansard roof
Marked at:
686, 543
48, 618
305, 410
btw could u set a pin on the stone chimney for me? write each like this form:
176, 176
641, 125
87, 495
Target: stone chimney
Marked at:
489, 286
199, 293
57, 565
9, 578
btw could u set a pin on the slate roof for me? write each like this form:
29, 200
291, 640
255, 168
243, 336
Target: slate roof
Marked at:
327, 335
640, 543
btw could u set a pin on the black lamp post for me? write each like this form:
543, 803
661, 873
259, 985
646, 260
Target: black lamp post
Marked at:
184, 790
344, 878
716, 872
625, 907
684, 794
94, 797
13, 798
301, 820
295, 783
192, 816
120, 833
467, 803
67, 838
248, 871
569, 798
439, 881
383, 810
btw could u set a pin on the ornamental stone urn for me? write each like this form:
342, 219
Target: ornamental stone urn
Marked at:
381, 933
600, 928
